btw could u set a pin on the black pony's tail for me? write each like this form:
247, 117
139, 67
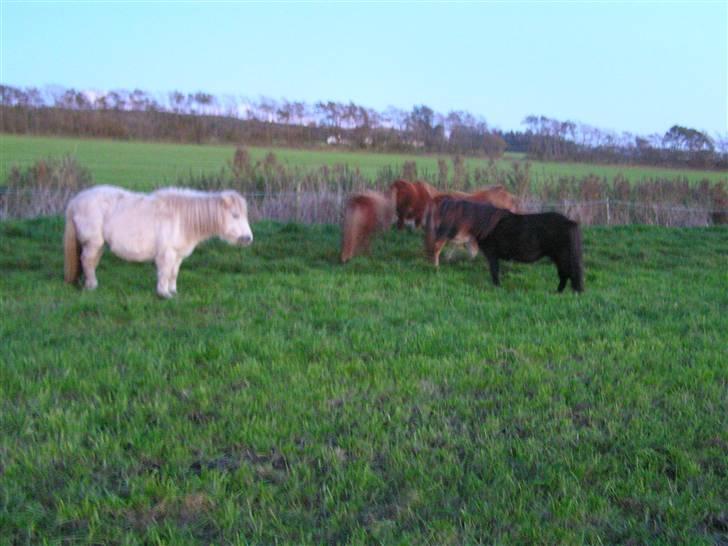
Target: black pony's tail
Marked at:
577, 266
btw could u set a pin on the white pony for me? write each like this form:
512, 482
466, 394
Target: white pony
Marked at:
164, 226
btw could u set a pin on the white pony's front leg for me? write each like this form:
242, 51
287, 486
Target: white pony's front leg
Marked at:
175, 272
167, 269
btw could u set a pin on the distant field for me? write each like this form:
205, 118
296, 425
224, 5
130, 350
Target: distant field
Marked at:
144, 165
282, 398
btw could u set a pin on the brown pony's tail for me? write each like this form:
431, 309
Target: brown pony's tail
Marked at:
577, 266
350, 235
71, 250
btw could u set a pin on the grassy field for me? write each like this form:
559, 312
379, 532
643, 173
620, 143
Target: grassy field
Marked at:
283, 398
144, 165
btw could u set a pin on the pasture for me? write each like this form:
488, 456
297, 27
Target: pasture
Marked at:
284, 398
146, 165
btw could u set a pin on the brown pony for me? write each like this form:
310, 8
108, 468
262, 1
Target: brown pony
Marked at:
502, 235
411, 200
497, 196
364, 214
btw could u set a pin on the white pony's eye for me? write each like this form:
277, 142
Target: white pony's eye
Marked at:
236, 216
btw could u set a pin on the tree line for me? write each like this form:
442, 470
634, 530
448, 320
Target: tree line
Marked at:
204, 118
551, 139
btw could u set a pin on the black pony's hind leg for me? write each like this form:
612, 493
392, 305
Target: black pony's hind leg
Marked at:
563, 277
562, 266
493, 262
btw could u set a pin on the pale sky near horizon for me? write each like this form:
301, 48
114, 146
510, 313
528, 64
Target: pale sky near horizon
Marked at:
624, 66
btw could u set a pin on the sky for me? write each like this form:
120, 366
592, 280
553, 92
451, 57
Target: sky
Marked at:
623, 66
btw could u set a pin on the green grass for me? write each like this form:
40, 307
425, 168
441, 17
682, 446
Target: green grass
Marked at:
144, 165
283, 398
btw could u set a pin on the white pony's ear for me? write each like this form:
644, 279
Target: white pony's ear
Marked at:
227, 200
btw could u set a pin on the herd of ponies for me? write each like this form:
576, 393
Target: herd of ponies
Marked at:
166, 225
487, 220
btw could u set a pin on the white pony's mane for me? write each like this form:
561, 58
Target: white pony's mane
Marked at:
201, 213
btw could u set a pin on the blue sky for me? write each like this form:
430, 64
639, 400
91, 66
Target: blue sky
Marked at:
624, 66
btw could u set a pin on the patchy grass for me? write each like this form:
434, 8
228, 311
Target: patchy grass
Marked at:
145, 165
284, 398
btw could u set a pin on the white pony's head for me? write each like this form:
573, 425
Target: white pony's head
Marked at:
235, 226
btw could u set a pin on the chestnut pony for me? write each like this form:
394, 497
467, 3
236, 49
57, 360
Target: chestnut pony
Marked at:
364, 214
411, 200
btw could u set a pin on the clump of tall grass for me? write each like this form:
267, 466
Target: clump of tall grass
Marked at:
43, 189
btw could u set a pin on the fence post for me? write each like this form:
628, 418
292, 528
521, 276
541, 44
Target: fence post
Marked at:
297, 213
609, 217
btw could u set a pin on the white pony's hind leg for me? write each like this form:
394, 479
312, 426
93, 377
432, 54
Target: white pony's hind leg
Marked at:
90, 238
90, 257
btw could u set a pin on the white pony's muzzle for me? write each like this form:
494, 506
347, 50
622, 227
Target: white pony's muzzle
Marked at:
245, 240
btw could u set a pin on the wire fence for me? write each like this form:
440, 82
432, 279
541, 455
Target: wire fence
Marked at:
326, 206
618, 212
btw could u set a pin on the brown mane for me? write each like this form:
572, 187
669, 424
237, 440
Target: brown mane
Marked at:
497, 196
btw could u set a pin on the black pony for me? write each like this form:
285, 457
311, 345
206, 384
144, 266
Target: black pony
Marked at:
508, 236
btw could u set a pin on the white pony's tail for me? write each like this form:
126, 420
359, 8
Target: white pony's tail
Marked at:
71, 250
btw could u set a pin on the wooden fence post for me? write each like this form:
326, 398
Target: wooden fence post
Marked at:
609, 218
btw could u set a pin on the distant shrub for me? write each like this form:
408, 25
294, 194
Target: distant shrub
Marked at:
42, 189
409, 170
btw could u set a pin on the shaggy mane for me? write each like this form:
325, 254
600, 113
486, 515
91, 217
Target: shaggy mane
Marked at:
201, 213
